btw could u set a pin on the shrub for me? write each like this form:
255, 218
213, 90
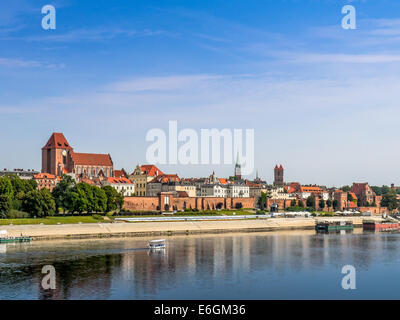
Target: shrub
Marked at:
16, 214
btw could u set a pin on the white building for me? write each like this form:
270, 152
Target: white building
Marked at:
238, 191
225, 191
123, 185
213, 190
280, 194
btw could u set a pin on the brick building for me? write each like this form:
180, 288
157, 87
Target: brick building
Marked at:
58, 157
46, 180
366, 196
278, 176
169, 201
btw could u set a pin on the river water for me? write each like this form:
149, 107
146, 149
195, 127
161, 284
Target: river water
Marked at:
273, 265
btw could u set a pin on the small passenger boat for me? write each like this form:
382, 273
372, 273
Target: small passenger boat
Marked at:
157, 244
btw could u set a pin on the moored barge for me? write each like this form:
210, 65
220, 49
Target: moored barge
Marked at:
385, 225
15, 239
334, 225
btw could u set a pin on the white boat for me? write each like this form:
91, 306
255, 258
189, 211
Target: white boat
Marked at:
157, 244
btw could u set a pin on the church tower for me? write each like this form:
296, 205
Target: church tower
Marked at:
238, 169
278, 176
56, 155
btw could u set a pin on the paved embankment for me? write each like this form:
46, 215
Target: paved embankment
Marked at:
94, 230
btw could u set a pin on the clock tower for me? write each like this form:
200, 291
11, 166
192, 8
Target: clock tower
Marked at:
56, 155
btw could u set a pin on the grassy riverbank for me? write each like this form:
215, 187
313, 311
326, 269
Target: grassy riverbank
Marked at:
51, 220
161, 229
54, 220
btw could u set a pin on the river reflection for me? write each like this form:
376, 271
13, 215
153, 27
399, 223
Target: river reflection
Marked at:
275, 265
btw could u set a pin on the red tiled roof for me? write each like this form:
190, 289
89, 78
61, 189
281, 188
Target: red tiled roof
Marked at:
251, 184
353, 195
223, 181
44, 176
166, 178
92, 159
119, 180
57, 140
310, 189
120, 173
293, 187
151, 170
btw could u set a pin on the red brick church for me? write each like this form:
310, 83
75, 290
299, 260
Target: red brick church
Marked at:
58, 157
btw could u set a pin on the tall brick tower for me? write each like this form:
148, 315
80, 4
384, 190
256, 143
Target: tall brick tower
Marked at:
278, 176
56, 155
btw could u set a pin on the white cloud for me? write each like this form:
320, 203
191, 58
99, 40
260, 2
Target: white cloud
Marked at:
340, 58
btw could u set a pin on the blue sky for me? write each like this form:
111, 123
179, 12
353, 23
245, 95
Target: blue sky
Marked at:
323, 101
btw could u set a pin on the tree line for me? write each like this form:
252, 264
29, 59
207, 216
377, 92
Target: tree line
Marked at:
21, 198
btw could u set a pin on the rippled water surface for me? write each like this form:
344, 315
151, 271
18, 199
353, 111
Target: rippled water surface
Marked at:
281, 265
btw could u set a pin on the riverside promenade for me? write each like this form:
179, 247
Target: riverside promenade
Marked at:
137, 229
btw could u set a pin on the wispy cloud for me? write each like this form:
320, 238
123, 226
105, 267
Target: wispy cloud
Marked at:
166, 83
339, 58
20, 63
98, 34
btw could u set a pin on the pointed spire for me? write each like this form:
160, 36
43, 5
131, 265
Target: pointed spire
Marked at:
237, 159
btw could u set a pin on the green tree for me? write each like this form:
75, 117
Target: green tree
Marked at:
20, 188
88, 192
6, 187
115, 200
321, 204
79, 202
389, 200
100, 199
62, 193
346, 188
329, 203
335, 204
293, 203
5, 205
6, 195
310, 202
300, 203
262, 200
39, 203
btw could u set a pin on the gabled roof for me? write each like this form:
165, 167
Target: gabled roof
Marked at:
57, 141
166, 178
151, 170
310, 189
92, 159
119, 180
44, 176
120, 173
